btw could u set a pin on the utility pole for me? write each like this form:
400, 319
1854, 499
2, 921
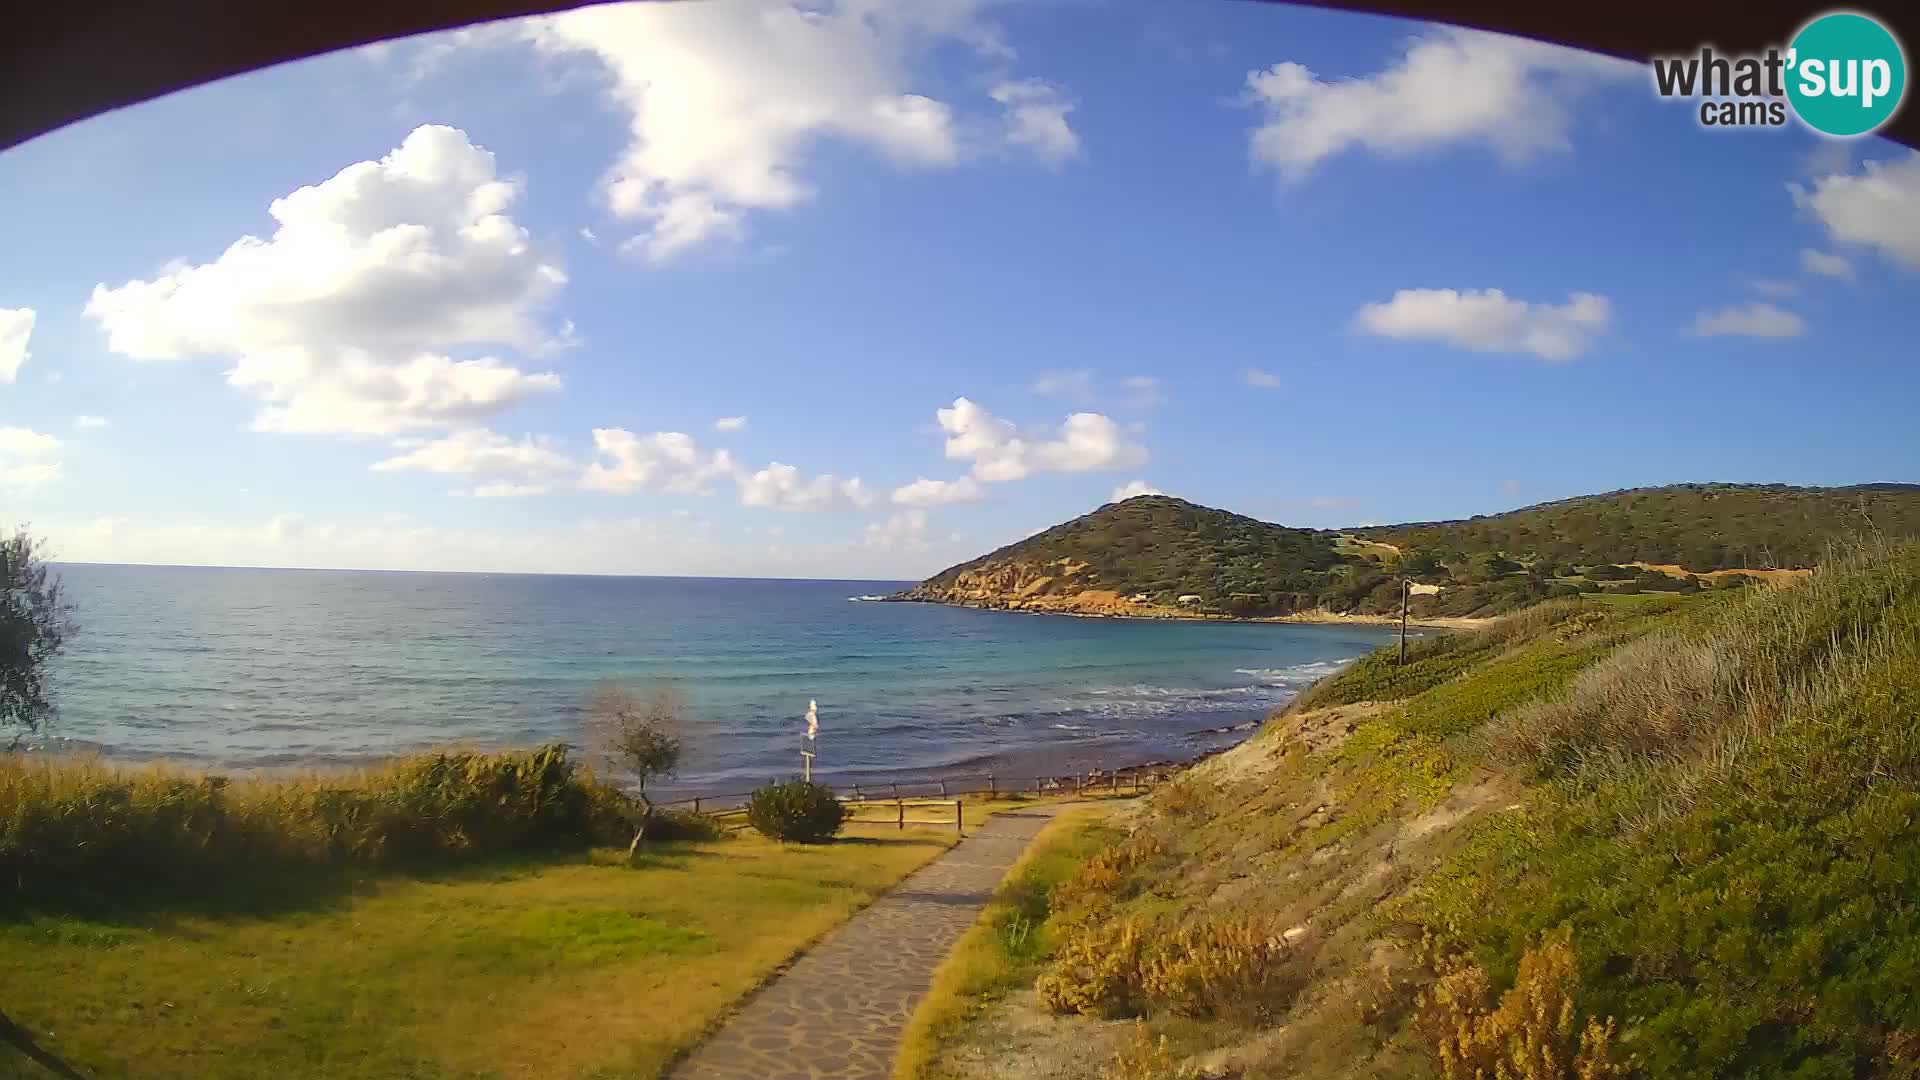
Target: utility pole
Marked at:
1406, 588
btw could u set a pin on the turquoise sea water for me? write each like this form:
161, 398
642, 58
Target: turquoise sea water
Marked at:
258, 668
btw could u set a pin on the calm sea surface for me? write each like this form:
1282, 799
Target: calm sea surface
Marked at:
262, 668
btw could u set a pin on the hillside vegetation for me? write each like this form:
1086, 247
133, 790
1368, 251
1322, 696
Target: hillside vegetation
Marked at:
1154, 555
1677, 840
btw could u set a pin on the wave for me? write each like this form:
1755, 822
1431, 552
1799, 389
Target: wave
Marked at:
857, 599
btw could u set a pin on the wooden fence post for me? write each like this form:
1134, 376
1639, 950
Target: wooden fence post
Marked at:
901, 809
959, 818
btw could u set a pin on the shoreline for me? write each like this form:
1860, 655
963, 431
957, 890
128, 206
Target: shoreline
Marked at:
1314, 617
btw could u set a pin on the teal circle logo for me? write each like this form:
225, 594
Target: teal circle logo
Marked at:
1846, 74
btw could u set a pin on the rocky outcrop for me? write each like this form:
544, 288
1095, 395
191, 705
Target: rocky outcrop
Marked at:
1061, 587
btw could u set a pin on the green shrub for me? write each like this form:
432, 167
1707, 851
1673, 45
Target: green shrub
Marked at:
796, 811
76, 825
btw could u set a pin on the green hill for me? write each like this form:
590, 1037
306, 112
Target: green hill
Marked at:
1155, 555
1702, 527
1586, 841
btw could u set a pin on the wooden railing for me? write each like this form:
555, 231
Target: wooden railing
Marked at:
897, 798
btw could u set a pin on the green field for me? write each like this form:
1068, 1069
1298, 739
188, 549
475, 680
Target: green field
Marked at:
513, 966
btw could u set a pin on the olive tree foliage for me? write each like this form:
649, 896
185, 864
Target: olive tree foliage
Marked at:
35, 621
639, 734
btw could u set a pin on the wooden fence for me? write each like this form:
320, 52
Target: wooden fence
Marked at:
943, 797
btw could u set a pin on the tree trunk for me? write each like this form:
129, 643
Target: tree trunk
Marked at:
640, 832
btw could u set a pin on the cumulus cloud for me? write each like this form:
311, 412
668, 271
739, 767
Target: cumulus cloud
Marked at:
1085, 442
16, 326
781, 487
24, 463
477, 450
1137, 487
505, 491
90, 423
1826, 264
1263, 380
1877, 207
663, 461
1451, 87
724, 101
730, 423
345, 318
902, 531
925, 492
1036, 120
1488, 320
1749, 320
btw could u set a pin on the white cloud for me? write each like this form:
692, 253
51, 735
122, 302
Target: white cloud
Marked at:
663, 461
730, 423
1826, 264
341, 320
477, 450
1749, 320
1878, 207
90, 423
505, 491
1085, 442
925, 492
589, 235
725, 100
1137, 487
1036, 120
20, 449
16, 326
1264, 380
903, 531
1076, 384
1451, 87
26, 442
1774, 287
1487, 320
780, 487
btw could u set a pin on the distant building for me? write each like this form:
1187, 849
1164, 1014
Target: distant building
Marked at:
1190, 598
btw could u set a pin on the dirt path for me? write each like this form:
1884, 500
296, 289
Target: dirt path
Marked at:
838, 1012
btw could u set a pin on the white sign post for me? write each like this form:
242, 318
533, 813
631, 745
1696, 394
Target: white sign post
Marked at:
813, 730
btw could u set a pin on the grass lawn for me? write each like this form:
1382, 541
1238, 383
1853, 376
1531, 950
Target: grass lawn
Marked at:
562, 967
1006, 947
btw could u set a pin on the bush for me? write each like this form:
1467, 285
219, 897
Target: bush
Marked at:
67, 825
796, 811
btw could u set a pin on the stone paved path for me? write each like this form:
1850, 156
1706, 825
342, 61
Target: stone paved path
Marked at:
838, 1012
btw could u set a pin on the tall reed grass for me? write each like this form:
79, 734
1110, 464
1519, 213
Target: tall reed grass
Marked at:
71, 824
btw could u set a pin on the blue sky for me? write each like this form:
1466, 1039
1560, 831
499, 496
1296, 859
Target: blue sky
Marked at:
1320, 268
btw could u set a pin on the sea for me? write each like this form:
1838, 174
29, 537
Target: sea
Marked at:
255, 669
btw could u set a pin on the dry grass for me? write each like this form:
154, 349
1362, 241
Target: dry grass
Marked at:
1000, 951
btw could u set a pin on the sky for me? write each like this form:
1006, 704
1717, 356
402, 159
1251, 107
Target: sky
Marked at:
864, 288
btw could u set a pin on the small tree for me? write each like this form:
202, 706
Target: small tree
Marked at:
35, 621
639, 733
